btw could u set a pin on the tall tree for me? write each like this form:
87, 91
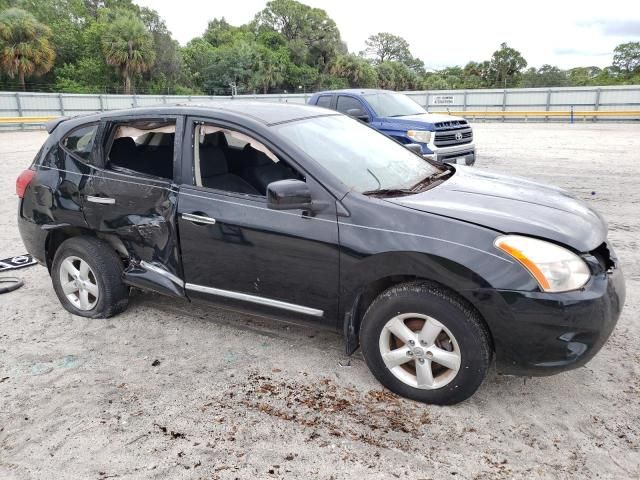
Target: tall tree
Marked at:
166, 68
506, 65
25, 49
198, 55
477, 74
219, 32
303, 25
384, 47
128, 46
626, 57
270, 67
545, 76
356, 70
232, 65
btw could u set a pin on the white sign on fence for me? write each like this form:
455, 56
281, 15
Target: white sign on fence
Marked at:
443, 100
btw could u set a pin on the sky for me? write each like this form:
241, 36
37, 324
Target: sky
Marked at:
566, 33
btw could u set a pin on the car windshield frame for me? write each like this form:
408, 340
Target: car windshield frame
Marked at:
391, 104
361, 158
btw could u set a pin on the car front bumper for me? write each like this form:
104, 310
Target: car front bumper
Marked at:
461, 155
537, 333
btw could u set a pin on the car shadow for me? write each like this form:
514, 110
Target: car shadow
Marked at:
495, 388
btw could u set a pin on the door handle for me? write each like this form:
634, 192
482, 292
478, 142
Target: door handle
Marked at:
198, 219
102, 200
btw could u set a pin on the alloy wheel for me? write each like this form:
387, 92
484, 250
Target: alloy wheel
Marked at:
420, 351
79, 283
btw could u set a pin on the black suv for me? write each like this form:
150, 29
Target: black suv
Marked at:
299, 211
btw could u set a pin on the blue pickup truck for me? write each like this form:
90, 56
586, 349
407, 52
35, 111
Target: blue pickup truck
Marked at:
443, 138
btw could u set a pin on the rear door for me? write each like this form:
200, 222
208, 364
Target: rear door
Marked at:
326, 101
133, 198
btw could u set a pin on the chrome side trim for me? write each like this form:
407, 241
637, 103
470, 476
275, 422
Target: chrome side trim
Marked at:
198, 218
255, 299
102, 200
175, 279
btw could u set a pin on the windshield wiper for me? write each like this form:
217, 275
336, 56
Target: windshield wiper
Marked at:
385, 191
418, 187
389, 192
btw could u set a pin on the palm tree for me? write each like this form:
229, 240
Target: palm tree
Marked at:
25, 49
269, 69
128, 46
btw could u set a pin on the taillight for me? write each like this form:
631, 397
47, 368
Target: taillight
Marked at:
23, 181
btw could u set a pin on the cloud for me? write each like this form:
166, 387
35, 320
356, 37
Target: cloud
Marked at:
619, 28
578, 51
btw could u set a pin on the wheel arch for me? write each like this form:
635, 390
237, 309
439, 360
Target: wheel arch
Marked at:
58, 236
380, 272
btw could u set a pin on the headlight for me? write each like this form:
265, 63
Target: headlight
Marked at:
556, 269
422, 136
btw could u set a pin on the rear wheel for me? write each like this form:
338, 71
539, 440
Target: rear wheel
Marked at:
87, 278
422, 342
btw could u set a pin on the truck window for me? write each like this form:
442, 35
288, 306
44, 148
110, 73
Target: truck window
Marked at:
347, 103
324, 101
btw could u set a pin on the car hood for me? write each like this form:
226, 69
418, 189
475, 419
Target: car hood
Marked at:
512, 205
421, 120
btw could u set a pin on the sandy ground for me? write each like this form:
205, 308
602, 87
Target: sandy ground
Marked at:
241, 397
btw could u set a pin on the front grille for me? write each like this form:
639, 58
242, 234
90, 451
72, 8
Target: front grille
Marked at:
450, 124
451, 137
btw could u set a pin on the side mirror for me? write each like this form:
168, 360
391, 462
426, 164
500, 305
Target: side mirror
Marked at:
359, 114
414, 147
288, 195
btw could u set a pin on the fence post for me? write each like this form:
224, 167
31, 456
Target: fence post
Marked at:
464, 101
504, 103
61, 104
572, 114
19, 105
164, 99
426, 104
597, 103
546, 119
101, 97
134, 101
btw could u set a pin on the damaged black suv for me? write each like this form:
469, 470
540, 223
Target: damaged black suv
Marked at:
298, 211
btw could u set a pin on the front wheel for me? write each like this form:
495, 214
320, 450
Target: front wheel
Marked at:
422, 342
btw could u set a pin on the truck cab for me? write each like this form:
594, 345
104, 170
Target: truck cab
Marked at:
442, 138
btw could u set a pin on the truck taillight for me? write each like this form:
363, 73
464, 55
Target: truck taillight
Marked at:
23, 181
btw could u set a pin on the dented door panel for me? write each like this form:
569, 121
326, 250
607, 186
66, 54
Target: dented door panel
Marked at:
142, 217
139, 212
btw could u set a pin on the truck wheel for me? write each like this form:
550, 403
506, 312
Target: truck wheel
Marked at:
420, 341
87, 277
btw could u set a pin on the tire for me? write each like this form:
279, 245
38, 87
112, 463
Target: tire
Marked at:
87, 264
442, 329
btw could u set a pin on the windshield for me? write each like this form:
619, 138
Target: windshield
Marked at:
362, 158
393, 104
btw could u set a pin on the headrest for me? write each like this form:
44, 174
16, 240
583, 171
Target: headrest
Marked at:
123, 147
212, 162
167, 139
254, 158
216, 139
